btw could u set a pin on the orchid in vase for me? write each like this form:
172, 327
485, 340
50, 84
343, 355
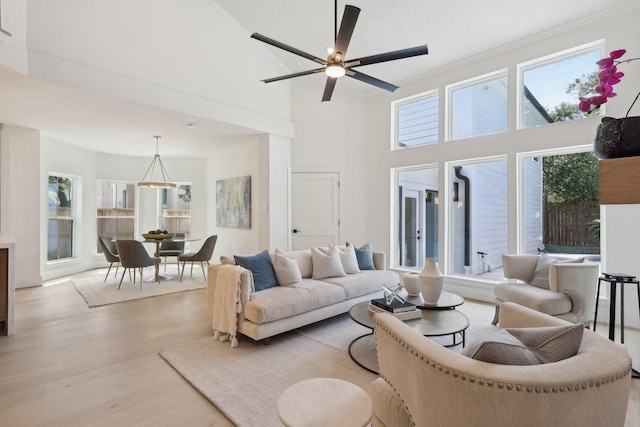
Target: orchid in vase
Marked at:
609, 76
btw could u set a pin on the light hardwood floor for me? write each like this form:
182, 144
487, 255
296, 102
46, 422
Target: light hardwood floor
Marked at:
69, 365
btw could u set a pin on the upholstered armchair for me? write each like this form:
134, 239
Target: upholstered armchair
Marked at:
562, 288
423, 383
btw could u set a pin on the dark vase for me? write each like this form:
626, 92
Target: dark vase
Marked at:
618, 138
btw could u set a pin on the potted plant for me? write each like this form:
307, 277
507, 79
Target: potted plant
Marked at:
614, 137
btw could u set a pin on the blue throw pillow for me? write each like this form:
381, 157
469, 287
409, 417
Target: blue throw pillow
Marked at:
365, 257
260, 265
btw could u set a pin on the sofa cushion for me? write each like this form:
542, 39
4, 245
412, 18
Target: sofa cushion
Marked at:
261, 267
540, 277
326, 264
528, 346
286, 269
539, 299
367, 282
282, 302
364, 255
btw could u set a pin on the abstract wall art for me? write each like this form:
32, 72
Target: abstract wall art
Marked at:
233, 202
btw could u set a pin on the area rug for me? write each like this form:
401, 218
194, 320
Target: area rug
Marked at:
96, 292
245, 382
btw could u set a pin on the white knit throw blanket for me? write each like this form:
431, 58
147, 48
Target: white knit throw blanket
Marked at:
226, 303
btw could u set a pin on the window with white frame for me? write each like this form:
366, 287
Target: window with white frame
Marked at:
416, 210
115, 210
478, 216
176, 209
549, 88
415, 120
61, 222
477, 106
559, 199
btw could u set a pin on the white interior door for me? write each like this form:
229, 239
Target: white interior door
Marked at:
315, 209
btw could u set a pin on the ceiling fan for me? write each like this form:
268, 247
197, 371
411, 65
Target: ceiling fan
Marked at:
336, 65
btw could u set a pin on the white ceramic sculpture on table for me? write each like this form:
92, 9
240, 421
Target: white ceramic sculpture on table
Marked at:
411, 282
431, 282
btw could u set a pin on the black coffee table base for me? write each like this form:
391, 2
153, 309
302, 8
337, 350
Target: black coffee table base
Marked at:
363, 352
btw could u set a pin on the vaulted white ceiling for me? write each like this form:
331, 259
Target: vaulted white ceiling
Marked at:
453, 30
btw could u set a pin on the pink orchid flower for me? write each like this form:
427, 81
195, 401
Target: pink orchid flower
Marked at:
609, 76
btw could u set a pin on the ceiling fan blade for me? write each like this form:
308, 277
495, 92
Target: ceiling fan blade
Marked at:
328, 88
371, 80
290, 76
288, 48
388, 56
348, 24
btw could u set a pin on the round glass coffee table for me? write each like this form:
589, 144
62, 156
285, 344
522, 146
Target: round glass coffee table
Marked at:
436, 322
446, 301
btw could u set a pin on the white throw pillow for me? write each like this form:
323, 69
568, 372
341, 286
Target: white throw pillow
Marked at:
286, 268
326, 265
347, 258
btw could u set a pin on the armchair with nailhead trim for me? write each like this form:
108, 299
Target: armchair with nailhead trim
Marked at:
425, 384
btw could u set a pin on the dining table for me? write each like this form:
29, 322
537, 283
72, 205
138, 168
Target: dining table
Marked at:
158, 240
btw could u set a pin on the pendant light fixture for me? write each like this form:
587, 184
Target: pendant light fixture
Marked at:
156, 162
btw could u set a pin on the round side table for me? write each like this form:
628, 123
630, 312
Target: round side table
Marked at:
325, 402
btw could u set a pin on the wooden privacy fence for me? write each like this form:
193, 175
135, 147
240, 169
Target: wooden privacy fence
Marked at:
570, 225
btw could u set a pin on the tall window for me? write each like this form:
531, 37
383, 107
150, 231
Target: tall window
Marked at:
115, 210
416, 222
176, 209
551, 86
478, 216
560, 203
61, 217
415, 120
478, 106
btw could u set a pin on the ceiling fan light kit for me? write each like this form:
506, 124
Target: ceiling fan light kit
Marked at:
149, 183
336, 66
335, 71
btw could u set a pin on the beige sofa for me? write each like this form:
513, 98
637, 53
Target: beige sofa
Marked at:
425, 384
278, 309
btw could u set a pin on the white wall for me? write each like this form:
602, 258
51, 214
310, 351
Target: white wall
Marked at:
58, 157
620, 233
240, 158
331, 136
620, 31
277, 208
22, 199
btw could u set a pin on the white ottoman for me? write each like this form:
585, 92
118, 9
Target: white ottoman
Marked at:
325, 402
